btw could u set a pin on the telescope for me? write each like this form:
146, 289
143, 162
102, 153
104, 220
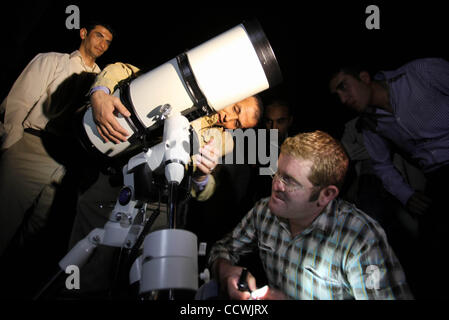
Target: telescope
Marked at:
222, 71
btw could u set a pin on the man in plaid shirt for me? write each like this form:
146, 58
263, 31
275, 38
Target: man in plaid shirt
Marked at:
312, 245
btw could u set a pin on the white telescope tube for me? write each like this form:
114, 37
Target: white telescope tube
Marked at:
224, 70
227, 68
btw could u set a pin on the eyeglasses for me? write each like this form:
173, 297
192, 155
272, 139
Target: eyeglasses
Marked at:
290, 185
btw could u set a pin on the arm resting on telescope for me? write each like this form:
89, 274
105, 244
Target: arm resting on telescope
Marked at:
105, 106
113, 74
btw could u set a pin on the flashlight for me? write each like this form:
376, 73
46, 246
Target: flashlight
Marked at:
242, 284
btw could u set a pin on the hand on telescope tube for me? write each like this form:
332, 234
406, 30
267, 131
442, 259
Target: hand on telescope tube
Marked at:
206, 161
104, 106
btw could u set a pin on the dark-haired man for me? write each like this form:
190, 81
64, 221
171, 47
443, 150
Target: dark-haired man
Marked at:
28, 173
277, 116
407, 110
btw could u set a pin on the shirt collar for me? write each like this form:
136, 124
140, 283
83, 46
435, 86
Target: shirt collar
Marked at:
323, 223
325, 220
77, 53
389, 76
211, 120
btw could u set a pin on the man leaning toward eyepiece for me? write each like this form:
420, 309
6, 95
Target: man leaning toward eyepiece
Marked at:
93, 208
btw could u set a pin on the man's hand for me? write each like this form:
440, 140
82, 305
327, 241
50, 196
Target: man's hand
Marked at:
271, 294
104, 106
229, 275
207, 160
418, 204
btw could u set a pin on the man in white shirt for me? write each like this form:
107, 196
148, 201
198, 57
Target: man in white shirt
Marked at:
28, 174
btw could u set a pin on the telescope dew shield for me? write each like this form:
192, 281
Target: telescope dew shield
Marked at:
234, 65
222, 71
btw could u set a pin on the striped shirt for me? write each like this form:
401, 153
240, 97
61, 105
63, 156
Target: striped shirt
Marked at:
419, 125
343, 254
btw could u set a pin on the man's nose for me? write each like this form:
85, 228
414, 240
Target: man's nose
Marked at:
268, 124
277, 185
230, 117
344, 97
104, 45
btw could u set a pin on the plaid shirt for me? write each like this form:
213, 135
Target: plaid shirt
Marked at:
343, 254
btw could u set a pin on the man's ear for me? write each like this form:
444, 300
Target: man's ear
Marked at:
365, 77
83, 33
327, 194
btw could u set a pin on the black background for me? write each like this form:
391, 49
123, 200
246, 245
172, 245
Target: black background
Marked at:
308, 38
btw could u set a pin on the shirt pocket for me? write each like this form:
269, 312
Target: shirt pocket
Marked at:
265, 246
324, 287
321, 277
267, 253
